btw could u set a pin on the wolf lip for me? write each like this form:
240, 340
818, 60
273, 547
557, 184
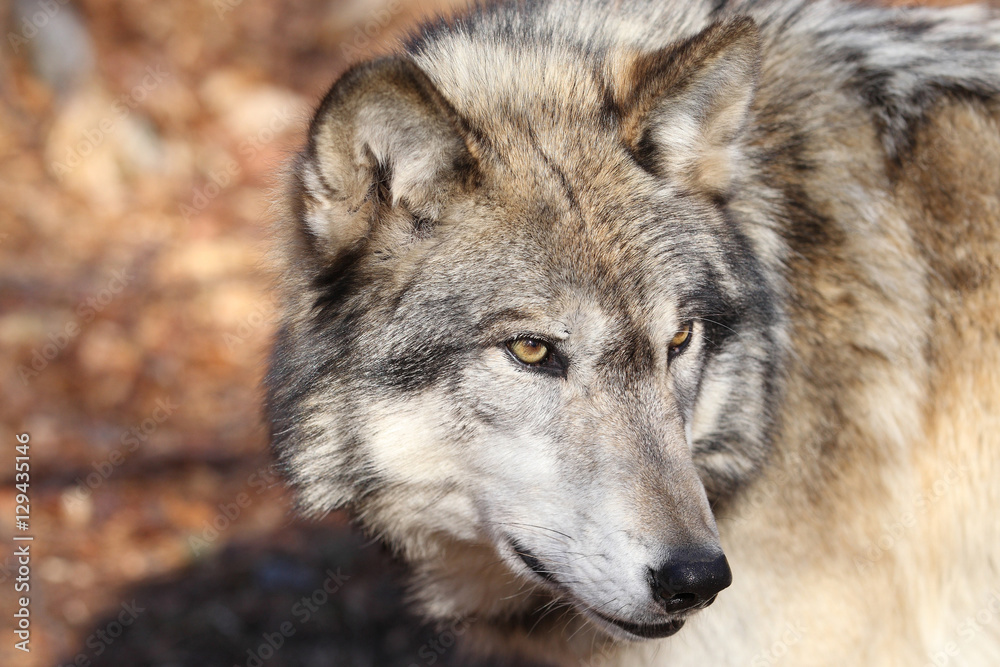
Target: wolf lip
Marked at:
531, 561
651, 631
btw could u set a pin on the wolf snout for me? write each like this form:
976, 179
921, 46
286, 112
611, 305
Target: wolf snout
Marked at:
690, 579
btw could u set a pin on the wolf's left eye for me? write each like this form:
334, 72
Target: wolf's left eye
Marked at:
536, 354
530, 351
680, 340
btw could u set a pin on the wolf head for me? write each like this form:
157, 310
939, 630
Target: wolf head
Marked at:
525, 319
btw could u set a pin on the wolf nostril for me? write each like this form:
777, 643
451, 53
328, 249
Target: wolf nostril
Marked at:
690, 579
681, 601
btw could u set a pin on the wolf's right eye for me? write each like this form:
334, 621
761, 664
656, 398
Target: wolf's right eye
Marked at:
680, 340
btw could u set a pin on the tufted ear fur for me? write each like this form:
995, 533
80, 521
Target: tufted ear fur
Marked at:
688, 105
385, 152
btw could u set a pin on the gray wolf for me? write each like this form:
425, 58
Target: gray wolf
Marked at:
662, 333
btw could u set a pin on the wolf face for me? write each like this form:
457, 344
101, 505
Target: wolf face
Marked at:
528, 321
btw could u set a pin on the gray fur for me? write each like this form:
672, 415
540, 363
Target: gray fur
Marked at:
597, 176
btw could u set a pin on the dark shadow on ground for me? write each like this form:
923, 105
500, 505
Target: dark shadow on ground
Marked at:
309, 596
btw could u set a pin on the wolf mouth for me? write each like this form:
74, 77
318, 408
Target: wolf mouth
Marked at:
652, 631
643, 631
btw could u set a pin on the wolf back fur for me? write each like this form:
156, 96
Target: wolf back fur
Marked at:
814, 186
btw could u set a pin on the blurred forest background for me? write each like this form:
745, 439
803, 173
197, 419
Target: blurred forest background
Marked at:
140, 144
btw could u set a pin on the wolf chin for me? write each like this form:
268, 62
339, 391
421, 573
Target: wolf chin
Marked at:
624, 321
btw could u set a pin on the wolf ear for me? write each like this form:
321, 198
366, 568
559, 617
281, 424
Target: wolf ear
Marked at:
385, 153
689, 103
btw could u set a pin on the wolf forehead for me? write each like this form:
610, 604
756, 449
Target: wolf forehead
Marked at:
479, 281
530, 151
529, 257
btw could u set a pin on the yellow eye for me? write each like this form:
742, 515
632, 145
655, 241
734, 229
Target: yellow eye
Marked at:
529, 350
681, 339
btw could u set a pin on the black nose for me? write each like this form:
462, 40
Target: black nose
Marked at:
691, 578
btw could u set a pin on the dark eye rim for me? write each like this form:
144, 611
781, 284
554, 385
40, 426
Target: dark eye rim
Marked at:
552, 363
675, 351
